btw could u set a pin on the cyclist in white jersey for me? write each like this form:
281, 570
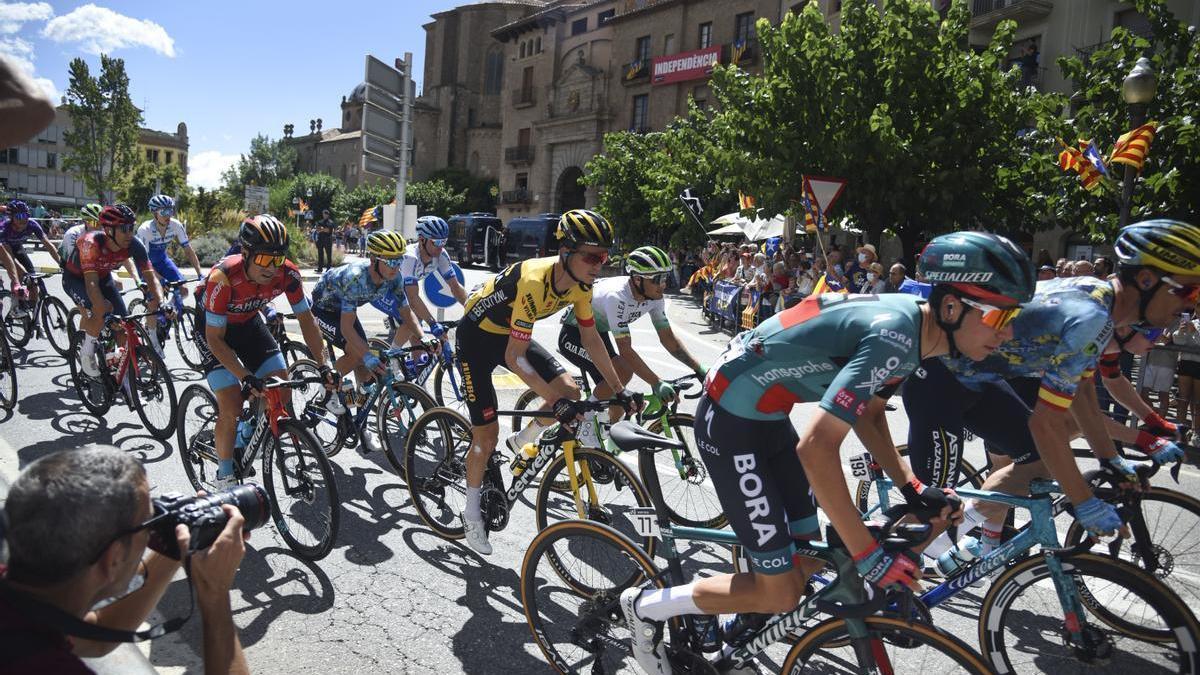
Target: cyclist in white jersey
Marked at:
156, 234
430, 255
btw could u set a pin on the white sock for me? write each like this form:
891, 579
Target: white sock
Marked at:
530, 433
662, 604
472, 511
941, 544
89, 345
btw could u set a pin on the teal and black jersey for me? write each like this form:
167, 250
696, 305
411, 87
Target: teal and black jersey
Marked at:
836, 349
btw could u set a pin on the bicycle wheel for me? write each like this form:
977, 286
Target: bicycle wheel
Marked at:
579, 627
906, 647
186, 325
1021, 622
72, 322
55, 325
153, 393
688, 491
615, 497
449, 392
96, 393
394, 420
310, 401
8, 375
1169, 520
304, 497
195, 434
436, 469
294, 351
18, 328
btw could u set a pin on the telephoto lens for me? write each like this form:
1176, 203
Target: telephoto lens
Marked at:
204, 517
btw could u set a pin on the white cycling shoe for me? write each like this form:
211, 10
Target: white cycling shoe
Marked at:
476, 536
646, 650
224, 483
88, 363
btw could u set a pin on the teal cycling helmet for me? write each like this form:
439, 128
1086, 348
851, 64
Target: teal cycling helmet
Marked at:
980, 265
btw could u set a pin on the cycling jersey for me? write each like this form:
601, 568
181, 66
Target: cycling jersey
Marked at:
510, 302
156, 240
413, 270
67, 247
391, 304
615, 307
349, 286
92, 254
15, 240
1058, 338
836, 349
231, 298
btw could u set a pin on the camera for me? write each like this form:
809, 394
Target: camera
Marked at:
204, 517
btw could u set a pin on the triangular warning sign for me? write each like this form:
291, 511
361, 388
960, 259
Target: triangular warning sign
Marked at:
824, 190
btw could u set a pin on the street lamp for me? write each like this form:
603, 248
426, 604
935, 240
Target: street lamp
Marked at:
1138, 90
296, 210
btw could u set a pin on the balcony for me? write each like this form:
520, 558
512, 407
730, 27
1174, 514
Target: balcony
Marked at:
519, 154
635, 72
987, 13
518, 196
523, 97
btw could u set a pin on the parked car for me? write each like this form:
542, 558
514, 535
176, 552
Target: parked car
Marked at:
474, 236
532, 237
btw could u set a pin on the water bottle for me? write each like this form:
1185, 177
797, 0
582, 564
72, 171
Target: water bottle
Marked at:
955, 559
244, 431
522, 458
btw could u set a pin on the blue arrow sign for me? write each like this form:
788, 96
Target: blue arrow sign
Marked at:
437, 289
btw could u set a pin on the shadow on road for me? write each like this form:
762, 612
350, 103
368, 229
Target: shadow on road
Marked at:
369, 515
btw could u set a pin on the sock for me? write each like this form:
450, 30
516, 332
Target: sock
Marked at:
530, 433
472, 511
89, 345
941, 544
991, 536
662, 604
225, 468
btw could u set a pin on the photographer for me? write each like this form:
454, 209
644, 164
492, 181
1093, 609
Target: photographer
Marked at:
78, 525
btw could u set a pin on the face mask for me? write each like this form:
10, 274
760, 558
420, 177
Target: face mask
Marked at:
862, 258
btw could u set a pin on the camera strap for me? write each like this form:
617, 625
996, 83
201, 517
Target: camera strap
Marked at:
72, 625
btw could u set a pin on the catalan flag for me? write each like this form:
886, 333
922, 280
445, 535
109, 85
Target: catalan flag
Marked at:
1132, 146
1072, 159
303, 206
745, 201
635, 70
1093, 155
739, 48
824, 285
814, 220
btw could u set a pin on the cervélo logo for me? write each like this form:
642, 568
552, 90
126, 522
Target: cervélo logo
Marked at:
798, 371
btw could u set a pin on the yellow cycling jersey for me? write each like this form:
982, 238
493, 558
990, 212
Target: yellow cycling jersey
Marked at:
510, 302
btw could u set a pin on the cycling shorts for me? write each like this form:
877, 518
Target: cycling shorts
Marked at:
20, 255
76, 288
479, 353
571, 347
330, 323
940, 407
760, 483
254, 347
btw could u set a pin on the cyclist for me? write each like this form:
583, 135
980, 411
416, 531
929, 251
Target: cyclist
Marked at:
87, 277
429, 257
157, 233
91, 221
339, 294
497, 329
848, 353
235, 345
1035, 378
15, 228
617, 302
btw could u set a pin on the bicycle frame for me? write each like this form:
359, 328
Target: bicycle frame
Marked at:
128, 364
549, 442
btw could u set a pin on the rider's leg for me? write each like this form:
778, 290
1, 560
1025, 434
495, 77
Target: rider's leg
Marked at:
229, 407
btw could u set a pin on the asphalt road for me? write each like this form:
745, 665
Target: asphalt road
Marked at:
392, 596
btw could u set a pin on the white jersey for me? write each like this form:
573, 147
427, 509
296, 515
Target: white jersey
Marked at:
156, 241
412, 270
615, 307
67, 247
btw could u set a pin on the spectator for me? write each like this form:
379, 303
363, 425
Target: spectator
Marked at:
1060, 267
1046, 272
746, 270
324, 230
833, 269
896, 276
1029, 65
729, 268
873, 282
77, 535
1187, 335
856, 271
1083, 268
1044, 259
1103, 265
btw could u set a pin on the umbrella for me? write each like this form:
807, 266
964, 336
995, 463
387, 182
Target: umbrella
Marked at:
732, 230
730, 219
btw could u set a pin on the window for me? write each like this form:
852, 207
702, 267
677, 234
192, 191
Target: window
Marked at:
149, 155
8, 156
579, 26
700, 96
522, 50
641, 50
705, 40
669, 43
523, 137
641, 112
182, 159
522, 181
538, 49
170, 156
1132, 21
493, 78
51, 160
743, 27
605, 16
527, 84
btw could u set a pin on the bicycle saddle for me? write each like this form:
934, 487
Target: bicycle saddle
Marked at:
629, 437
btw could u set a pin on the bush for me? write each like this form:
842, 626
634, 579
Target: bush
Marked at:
211, 247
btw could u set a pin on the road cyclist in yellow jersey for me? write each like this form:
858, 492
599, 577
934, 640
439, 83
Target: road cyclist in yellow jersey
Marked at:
497, 329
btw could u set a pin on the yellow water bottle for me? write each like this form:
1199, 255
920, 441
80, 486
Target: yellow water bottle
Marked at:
523, 458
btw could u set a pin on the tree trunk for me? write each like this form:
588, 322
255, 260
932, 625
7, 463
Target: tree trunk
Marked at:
908, 244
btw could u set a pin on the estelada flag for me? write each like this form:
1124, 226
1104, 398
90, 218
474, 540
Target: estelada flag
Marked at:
1072, 159
745, 201
367, 217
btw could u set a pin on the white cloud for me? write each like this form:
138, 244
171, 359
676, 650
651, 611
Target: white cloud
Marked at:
13, 15
20, 53
204, 168
100, 30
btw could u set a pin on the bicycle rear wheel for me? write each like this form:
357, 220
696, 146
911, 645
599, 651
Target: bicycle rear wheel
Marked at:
688, 492
8, 375
896, 645
304, 497
393, 420
310, 401
153, 393
96, 393
436, 469
186, 325
18, 328
195, 434
55, 324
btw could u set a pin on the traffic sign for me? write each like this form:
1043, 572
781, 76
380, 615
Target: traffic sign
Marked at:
824, 190
384, 100
382, 147
384, 76
437, 290
377, 121
379, 167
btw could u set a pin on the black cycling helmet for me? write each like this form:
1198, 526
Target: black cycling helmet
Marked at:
263, 234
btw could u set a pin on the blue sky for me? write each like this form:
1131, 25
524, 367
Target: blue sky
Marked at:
228, 69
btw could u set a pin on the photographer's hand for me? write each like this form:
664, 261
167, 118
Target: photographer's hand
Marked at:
212, 572
131, 611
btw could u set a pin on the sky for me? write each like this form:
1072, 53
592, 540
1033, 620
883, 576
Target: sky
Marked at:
229, 70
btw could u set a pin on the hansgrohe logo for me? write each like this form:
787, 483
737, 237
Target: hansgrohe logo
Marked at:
806, 368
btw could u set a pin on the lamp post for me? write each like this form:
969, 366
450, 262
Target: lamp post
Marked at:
296, 210
1137, 90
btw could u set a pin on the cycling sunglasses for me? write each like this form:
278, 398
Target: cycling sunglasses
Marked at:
1189, 293
440, 243
125, 227
168, 212
20, 216
660, 278
267, 259
1149, 332
594, 258
393, 263
995, 318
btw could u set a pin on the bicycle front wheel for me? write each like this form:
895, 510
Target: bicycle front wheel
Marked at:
448, 391
19, 328
304, 497
96, 393
688, 492
186, 325
154, 393
8, 375
397, 413
436, 469
56, 325
310, 400
1021, 623
196, 435
896, 645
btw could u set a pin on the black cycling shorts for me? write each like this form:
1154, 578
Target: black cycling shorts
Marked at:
76, 288
479, 353
572, 349
330, 323
940, 407
250, 341
760, 483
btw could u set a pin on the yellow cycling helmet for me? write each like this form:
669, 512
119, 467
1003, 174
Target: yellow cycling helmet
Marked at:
386, 244
1170, 246
580, 226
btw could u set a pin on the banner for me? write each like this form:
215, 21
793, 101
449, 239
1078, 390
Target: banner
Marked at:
685, 65
726, 298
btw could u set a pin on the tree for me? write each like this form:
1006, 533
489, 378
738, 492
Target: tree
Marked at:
619, 174
350, 204
102, 140
146, 179
325, 190
435, 198
268, 162
201, 209
479, 189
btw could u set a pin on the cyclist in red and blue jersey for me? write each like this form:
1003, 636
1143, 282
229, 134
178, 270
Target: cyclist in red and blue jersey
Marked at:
15, 229
847, 354
236, 347
87, 276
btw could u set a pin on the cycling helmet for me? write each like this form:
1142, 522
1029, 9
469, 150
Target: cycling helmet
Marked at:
648, 260
980, 265
579, 227
16, 207
263, 234
1170, 246
386, 243
160, 202
117, 214
432, 227
91, 212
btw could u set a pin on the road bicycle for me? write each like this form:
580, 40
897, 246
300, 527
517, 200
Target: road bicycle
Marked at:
574, 572
184, 320
440, 369
130, 369
8, 375
25, 319
599, 488
304, 497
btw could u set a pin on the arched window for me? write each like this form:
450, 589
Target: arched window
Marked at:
493, 69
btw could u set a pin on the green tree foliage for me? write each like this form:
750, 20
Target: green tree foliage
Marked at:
268, 163
325, 190
102, 140
146, 179
479, 189
1169, 184
203, 210
619, 173
350, 204
435, 198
